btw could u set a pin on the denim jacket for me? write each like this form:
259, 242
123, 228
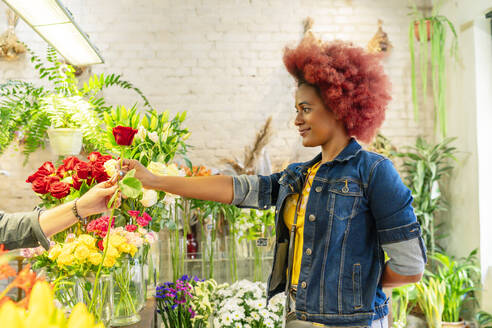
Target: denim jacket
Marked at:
357, 204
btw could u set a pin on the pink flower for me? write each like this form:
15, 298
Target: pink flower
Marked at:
131, 227
142, 222
134, 213
147, 217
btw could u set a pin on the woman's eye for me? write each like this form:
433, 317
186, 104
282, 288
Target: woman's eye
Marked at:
306, 110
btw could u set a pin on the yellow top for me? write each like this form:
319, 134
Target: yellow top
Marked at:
289, 211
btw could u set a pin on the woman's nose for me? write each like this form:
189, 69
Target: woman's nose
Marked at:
298, 120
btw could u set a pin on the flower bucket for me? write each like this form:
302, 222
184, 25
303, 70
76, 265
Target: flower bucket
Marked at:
65, 141
100, 305
128, 290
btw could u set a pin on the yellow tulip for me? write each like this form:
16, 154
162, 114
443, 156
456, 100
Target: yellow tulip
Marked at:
12, 316
80, 317
41, 305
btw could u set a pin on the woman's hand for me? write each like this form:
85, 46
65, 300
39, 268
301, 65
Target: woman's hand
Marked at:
96, 200
141, 172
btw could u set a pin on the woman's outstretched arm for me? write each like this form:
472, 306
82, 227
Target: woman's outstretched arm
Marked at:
217, 188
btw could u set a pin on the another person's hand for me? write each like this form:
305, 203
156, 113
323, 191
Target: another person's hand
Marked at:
96, 200
141, 172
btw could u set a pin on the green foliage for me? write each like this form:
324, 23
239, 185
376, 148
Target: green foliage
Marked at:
401, 297
424, 166
484, 319
459, 278
437, 54
430, 298
22, 112
159, 139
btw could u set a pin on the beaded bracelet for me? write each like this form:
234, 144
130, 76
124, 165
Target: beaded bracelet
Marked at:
75, 212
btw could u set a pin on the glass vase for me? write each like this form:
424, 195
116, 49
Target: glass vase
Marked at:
129, 290
100, 304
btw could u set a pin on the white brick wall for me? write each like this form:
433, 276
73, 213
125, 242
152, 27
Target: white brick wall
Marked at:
222, 62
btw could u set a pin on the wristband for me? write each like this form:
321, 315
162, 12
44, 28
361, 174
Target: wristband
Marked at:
75, 212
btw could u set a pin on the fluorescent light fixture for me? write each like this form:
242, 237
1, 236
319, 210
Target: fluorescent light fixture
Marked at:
55, 24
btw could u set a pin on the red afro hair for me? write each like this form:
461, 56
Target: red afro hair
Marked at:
350, 81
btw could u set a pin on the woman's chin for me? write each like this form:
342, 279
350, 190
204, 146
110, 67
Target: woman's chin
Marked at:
308, 143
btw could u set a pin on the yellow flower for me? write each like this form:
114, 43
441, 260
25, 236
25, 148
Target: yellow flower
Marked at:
95, 258
109, 261
116, 240
126, 248
133, 250
112, 252
81, 252
12, 316
80, 317
54, 252
65, 259
87, 240
41, 306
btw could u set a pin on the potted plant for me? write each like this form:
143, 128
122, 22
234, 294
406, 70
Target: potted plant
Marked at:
401, 299
21, 103
459, 278
430, 298
424, 166
435, 27
72, 118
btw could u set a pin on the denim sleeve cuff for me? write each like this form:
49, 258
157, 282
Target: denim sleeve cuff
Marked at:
400, 233
246, 190
406, 257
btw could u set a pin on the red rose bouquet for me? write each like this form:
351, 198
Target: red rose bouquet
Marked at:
71, 179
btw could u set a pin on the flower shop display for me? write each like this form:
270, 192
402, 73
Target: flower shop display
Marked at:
243, 304
258, 228
186, 302
37, 308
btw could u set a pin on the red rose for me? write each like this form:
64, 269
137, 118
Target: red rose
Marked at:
99, 172
59, 189
70, 162
43, 183
76, 182
100, 245
61, 171
83, 170
39, 186
94, 156
123, 135
34, 176
46, 169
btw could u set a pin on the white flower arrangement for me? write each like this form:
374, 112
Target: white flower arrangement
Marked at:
244, 304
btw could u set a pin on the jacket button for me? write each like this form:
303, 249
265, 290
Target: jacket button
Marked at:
318, 189
312, 217
303, 317
309, 251
303, 284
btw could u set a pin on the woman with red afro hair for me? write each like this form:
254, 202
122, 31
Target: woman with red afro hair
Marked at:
337, 214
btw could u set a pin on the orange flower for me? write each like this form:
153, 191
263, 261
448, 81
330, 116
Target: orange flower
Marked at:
197, 171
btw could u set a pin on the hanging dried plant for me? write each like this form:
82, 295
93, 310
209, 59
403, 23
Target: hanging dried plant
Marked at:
251, 154
10, 47
380, 42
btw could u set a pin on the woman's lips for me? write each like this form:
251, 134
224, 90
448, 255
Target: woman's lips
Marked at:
303, 132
